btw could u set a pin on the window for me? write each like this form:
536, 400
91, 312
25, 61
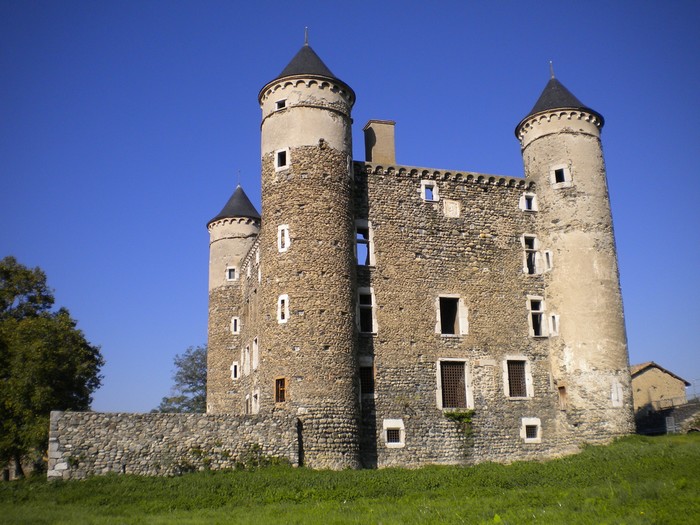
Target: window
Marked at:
364, 242
528, 202
453, 389
246, 361
617, 394
281, 159
231, 274
234, 370
283, 240
560, 176
429, 191
538, 327
281, 104
553, 324
255, 354
451, 316
283, 309
280, 390
367, 382
517, 377
531, 430
562, 398
532, 262
394, 433
256, 402
366, 320
235, 325
247, 404
548, 261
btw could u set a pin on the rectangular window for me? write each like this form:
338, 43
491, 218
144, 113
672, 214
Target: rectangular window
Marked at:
559, 175
530, 243
517, 386
231, 273
531, 430
281, 159
429, 191
283, 239
537, 327
235, 325
367, 381
453, 384
256, 356
281, 104
365, 310
562, 398
449, 321
282, 309
394, 433
246, 361
234, 370
280, 390
364, 243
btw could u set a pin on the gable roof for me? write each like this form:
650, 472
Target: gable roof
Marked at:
238, 205
638, 369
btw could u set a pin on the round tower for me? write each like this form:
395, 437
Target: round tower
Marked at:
232, 233
308, 269
584, 320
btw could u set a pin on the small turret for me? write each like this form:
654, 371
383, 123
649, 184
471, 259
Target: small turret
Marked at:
232, 233
562, 154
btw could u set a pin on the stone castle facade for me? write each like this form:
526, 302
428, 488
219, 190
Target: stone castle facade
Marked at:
377, 314
404, 315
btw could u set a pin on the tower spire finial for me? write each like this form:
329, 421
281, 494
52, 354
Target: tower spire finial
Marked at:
551, 69
238, 179
306, 36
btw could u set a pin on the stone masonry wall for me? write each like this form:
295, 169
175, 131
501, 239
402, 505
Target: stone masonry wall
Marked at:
82, 444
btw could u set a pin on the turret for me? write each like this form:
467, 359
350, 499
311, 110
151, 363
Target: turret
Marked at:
308, 364
232, 233
562, 154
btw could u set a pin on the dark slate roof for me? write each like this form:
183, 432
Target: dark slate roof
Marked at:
306, 62
238, 205
556, 96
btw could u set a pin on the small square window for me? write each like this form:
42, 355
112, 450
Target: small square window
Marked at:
280, 390
531, 430
559, 176
281, 104
231, 274
393, 435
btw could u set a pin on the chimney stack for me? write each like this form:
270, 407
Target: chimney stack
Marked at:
379, 142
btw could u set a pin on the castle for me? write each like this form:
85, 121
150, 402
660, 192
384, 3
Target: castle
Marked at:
403, 315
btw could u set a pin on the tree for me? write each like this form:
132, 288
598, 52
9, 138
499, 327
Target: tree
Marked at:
189, 394
45, 362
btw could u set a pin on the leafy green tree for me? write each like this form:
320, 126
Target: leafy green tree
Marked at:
189, 394
45, 362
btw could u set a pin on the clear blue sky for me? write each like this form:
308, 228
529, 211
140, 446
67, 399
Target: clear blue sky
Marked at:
123, 125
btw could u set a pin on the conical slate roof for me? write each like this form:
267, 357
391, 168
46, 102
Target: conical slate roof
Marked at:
306, 62
238, 205
556, 96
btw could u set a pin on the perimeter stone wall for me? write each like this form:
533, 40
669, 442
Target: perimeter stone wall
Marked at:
82, 444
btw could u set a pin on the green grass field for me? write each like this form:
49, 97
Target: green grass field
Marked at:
635, 480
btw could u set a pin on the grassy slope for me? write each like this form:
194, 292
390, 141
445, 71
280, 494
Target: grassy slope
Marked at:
636, 480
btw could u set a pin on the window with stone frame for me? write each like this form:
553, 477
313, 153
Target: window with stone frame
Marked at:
394, 433
283, 308
531, 430
452, 315
366, 320
429, 191
231, 274
517, 377
536, 312
283, 238
532, 263
364, 243
280, 390
453, 384
367, 382
281, 159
